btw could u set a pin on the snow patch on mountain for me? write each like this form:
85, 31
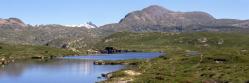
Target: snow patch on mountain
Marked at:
88, 25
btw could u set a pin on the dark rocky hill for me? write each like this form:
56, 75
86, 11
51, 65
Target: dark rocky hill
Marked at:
11, 23
159, 19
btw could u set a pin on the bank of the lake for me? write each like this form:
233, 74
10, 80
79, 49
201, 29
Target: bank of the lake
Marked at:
176, 67
11, 52
204, 57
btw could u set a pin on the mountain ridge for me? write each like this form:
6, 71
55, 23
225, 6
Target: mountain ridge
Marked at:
150, 19
156, 16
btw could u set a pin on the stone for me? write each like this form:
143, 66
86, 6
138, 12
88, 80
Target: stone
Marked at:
99, 62
108, 75
132, 73
192, 53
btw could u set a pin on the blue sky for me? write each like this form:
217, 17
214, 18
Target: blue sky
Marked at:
103, 12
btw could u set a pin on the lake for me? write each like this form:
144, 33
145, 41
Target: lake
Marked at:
73, 69
123, 56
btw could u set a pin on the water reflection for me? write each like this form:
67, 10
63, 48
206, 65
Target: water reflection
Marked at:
65, 70
62, 71
13, 70
123, 56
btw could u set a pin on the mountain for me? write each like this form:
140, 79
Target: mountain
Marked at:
244, 24
159, 19
53, 35
156, 15
151, 19
11, 23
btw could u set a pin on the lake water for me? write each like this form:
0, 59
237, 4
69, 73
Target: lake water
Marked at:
123, 56
78, 69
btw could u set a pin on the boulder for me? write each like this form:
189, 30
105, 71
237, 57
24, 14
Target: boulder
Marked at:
108, 75
132, 73
99, 62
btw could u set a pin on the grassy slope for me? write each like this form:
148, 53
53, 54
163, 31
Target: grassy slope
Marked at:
25, 51
177, 66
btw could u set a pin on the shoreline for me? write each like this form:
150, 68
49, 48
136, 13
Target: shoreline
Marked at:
126, 74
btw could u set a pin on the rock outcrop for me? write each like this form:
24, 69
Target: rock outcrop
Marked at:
12, 23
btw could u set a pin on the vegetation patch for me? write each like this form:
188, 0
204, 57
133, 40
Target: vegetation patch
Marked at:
207, 57
13, 51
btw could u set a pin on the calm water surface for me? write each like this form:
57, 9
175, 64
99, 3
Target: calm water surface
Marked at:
78, 69
123, 56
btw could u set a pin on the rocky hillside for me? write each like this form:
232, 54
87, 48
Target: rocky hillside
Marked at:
156, 15
15, 31
159, 19
11, 23
151, 19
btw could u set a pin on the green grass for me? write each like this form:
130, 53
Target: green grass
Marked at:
180, 67
26, 51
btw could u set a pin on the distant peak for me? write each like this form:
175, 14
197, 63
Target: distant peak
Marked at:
86, 25
15, 20
92, 24
156, 8
11, 21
